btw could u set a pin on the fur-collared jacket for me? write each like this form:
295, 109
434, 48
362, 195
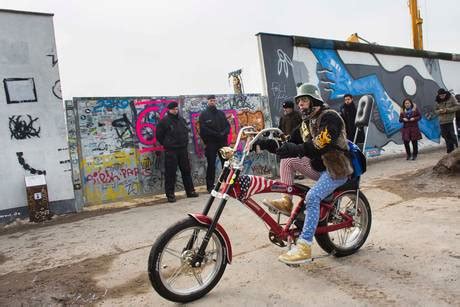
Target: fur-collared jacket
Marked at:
449, 106
328, 140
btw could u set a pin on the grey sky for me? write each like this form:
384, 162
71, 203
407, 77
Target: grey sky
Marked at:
174, 47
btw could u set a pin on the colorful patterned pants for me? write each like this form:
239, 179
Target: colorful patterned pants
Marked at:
322, 188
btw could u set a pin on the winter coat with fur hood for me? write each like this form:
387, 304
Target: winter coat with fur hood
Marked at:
328, 140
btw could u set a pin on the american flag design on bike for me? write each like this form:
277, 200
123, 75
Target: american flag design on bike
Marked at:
250, 185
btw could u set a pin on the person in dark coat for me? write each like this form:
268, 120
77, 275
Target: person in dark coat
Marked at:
446, 106
214, 130
291, 118
410, 131
348, 113
172, 133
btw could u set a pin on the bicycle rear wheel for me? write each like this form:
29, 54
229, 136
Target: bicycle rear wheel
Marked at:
346, 241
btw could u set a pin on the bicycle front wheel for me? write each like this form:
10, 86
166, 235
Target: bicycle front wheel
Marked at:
170, 271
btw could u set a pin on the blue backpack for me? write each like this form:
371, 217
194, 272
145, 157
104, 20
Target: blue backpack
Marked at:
357, 158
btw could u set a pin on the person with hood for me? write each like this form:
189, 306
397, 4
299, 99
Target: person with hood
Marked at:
327, 147
410, 131
214, 130
446, 106
172, 133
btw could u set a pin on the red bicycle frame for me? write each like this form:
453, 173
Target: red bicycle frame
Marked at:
229, 185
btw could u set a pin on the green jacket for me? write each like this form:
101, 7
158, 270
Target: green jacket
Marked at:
450, 105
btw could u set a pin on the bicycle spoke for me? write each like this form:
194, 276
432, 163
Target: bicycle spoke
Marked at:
173, 252
176, 274
198, 277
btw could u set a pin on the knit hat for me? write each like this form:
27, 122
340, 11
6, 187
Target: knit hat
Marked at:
211, 97
442, 91
172, 105
288, 104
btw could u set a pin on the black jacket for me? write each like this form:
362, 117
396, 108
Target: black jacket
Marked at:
172, 132
214, 127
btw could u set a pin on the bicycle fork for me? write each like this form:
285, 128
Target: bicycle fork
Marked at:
198, 259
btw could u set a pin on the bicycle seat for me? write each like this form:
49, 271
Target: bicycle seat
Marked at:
351, 184
302, 187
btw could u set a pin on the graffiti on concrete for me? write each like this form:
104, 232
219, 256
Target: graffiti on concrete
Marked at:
19, 90
27, 167
148, 114
57, 89
120, 156
22, 128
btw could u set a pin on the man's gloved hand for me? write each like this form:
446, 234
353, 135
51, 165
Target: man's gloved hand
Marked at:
289, 150
266, 144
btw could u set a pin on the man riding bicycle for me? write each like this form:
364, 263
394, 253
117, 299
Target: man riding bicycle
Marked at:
326, 146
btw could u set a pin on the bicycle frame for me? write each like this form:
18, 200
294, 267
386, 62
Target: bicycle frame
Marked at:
228, 186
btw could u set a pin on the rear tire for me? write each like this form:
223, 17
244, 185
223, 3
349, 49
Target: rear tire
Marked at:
170, 276
346, 241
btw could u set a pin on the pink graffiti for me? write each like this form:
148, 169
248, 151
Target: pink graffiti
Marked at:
142, 123
109, 176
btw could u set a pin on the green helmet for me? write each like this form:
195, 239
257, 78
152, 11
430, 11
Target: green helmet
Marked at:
309, 90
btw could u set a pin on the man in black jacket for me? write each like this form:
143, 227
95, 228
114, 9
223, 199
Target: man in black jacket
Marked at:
172, 133
214, 130
348, 113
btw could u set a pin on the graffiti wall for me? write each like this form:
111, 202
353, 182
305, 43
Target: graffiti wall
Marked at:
32, 116
389, 74
120, 156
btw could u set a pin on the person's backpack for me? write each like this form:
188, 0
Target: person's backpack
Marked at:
357, 158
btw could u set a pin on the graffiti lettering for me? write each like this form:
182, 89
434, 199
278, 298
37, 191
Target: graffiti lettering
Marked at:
111, 176
146, 123
109, 104
23, 129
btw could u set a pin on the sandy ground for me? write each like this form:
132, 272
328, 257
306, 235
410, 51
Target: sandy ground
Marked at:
412, 255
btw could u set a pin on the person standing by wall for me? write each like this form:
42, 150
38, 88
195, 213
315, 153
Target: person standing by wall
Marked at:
446, 107
172, 133
214, 130
348, 113
410, 131
290, 119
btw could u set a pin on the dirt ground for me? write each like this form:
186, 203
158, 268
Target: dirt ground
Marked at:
411, 257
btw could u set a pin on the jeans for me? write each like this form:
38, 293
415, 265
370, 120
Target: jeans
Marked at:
320, 190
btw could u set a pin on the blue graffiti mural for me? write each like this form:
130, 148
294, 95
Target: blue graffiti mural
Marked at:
340, 82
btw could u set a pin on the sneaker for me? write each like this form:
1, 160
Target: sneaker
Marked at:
171, 198
414, 157
408, 157
192, 194
300, 253
284, 204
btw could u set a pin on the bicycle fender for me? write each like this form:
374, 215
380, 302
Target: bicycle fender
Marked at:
206, 220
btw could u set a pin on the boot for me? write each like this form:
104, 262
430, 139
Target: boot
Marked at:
407, 147
284, 204
300, 253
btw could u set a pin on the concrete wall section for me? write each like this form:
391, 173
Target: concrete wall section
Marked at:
388, 74
120, 156
32, 123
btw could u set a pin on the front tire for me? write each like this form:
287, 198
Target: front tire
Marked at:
169, 266
346, 241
